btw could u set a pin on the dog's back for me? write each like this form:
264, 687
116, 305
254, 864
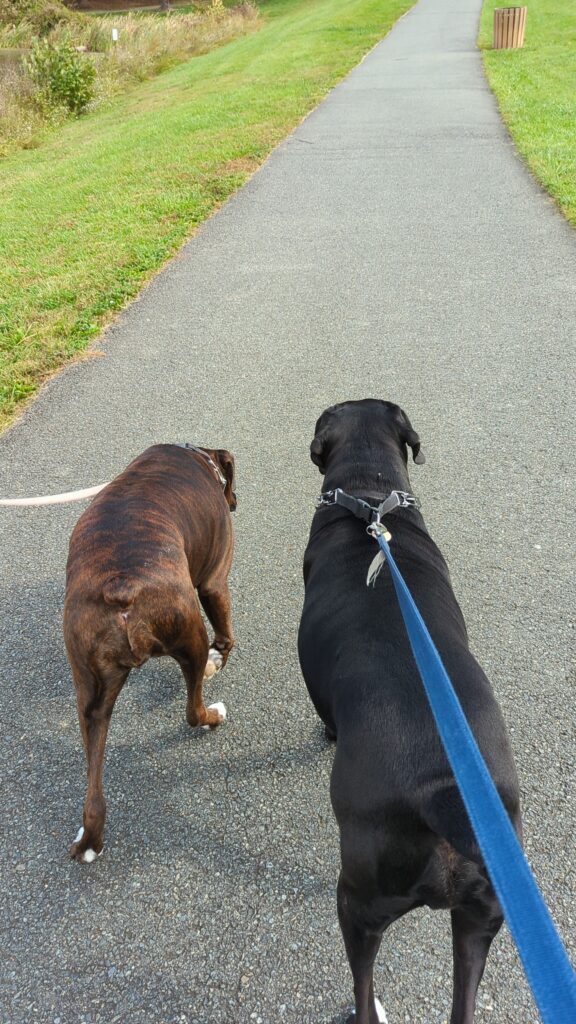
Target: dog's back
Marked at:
144, 523
364, 682
131, 555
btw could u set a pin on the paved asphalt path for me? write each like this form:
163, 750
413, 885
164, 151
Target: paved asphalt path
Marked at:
393, 246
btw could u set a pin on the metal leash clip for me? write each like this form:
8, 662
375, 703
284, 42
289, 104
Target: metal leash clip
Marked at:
377, 529
405, 499
398, 499
326, 498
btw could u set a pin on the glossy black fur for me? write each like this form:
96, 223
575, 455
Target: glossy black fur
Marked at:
405, 836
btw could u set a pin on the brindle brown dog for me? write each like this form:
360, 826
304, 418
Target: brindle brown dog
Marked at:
154, 540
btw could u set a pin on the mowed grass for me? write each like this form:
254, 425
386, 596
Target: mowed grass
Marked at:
89, 216
536, 91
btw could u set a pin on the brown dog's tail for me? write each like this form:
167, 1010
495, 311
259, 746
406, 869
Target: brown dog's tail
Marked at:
123, 590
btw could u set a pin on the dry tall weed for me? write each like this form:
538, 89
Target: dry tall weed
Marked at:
22, 121
148, 43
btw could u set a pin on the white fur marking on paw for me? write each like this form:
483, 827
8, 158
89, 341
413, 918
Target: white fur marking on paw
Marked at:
382, 1018
89, 855
214, 663
220, 708
216, 657
80, 834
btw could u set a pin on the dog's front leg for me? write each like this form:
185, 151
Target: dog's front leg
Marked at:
215, 599
192, 656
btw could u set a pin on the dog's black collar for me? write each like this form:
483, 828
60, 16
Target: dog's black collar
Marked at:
194, 448
362, 509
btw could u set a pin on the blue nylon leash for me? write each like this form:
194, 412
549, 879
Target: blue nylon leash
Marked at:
545, 961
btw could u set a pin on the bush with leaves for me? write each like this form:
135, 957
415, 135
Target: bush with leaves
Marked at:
62, 76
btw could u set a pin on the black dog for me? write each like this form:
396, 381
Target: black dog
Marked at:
404, 833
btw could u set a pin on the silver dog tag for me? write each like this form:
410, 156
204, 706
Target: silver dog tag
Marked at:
375, 566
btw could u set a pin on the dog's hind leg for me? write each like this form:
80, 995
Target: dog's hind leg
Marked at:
96, 693
362, 945
472, 934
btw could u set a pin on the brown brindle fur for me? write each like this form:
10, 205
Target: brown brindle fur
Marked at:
151, 543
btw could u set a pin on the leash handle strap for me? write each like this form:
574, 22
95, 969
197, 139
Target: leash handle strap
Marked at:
53, 499
545, 961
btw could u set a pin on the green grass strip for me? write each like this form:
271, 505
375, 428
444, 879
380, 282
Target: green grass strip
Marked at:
89, 216
536, 92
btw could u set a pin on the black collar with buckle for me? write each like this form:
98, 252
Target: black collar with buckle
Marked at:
362, 509
200, 451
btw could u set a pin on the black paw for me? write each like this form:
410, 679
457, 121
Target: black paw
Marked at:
329, 734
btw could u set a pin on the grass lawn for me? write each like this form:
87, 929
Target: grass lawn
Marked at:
91, 214
536, 91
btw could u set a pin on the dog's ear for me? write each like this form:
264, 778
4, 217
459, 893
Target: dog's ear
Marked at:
317, 451
409, 437
413, 441
323, 433
227, 465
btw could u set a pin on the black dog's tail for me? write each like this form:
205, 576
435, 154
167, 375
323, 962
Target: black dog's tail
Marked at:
446, 816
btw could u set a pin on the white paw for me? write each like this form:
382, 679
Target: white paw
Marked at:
214, 663
220, 708
89, 855
382, 1018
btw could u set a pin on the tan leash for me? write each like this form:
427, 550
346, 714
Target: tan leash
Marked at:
52, 499
89, 492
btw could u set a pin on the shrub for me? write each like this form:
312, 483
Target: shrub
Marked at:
40, 16
62, 76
